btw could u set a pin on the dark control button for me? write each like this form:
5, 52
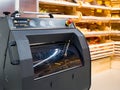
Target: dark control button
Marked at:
6, 13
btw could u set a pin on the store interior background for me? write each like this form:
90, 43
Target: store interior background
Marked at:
99, 20
9, 5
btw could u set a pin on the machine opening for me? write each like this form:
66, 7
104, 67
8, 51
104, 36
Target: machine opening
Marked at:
49, 58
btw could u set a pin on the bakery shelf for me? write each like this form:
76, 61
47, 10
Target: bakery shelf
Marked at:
115, 32
97, 51
101, 33
117, 48
104, 50
115, 20
103, 55
96, 33
101, 50
59, 16
94, 19
117, 43
100, 46
116, 9
59, 3
117, 52
94, 6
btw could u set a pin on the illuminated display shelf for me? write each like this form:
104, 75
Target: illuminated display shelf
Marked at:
116, 9
94, 6
94, 19
96, 33
101, 33
101, 50
115, 20
82, 5
59, 16
104, 50
59, 3
115, 32
117, 48
97, 51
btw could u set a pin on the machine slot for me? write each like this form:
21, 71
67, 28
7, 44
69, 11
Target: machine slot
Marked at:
52, 57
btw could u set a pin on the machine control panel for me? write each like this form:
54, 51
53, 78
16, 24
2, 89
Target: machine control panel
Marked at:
40, 23
20, 22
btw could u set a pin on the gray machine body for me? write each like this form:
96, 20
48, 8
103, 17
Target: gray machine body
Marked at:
16, 61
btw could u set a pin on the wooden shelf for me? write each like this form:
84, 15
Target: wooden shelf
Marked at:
95, 7
96, 33
117, 48
59, 16
115, 20
59, 3
101, 50
104, 50
116, 9
100, 45
117, 43
102, 55
115, 32
94, 19
97, 51
101, 33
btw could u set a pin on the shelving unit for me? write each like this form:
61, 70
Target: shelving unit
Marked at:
114, 9
115, 27
94, 19
115, 32
82, 5
117, 48
95, 23
115, 3
60, 16
59, 9
92, 15
115, 20
96, 33
58, 3
101, 50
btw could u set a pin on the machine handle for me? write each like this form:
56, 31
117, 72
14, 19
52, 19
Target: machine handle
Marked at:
6, 13
17, 13
13, 62
14, 14
36, 13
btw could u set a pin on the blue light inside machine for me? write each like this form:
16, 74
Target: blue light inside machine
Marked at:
52, 58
